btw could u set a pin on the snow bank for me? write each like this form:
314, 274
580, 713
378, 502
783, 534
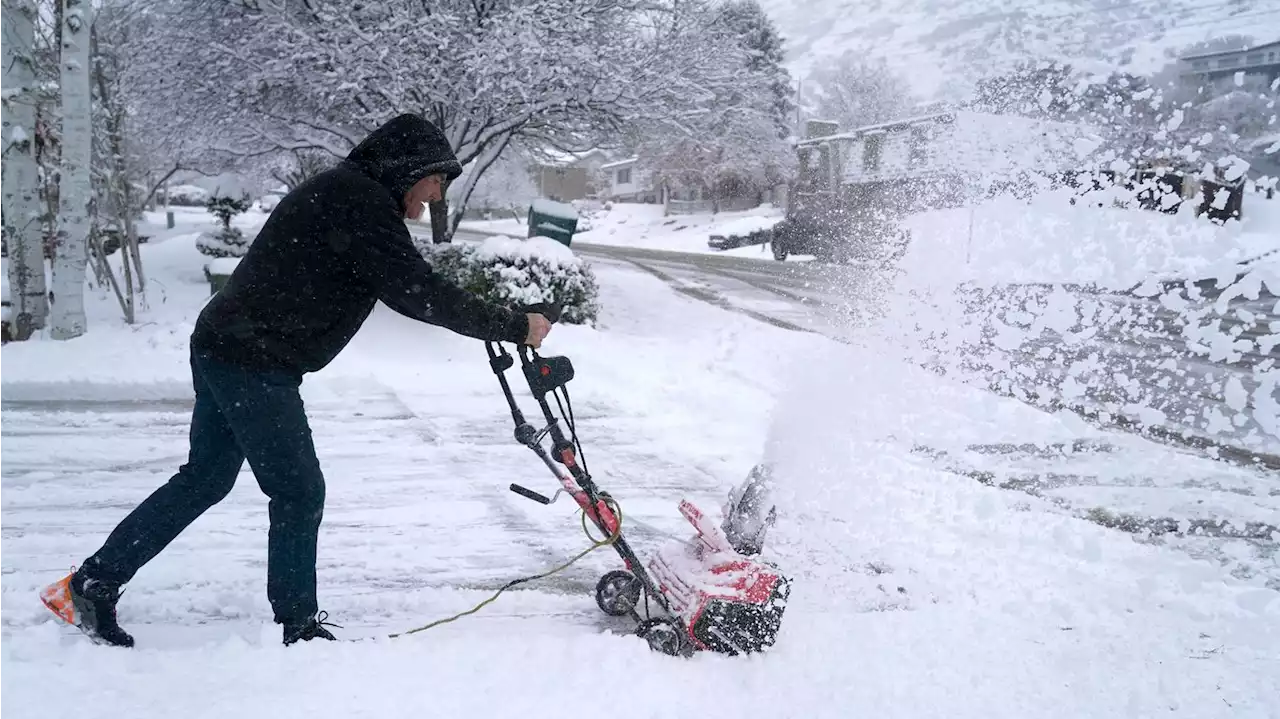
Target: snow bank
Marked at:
115, 361
223, 265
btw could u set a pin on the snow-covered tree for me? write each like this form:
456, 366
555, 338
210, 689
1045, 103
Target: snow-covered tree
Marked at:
726, 136
268, 77
75, 187
854, 92
227, 241
22, 231
298, 166
507, 187
765, 56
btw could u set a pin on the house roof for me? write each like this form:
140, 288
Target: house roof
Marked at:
562, 158
858, 132
619, 163
1218, 53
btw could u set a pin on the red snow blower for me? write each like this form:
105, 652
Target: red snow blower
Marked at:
708, 593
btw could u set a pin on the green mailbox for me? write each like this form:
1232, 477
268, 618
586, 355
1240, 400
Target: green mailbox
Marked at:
555, 220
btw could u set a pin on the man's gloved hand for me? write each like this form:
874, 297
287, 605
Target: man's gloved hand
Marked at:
539, 326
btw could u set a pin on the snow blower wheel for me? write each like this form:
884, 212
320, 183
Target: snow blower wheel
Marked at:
618, 593
663, 636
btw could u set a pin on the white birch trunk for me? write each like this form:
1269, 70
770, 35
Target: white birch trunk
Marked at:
74, 189
29, 297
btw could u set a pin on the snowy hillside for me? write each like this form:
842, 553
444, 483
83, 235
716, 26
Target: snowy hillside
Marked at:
943, 45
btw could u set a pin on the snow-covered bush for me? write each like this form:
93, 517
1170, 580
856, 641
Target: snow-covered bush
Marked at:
520, 272
228, 241
185, 195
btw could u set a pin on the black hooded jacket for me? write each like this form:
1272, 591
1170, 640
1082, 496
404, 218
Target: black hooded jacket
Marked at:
332, 249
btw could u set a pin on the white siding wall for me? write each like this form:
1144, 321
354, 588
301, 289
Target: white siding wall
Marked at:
623, 188
974, 144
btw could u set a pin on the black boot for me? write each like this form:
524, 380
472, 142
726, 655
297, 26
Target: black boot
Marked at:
89, 605
312, 628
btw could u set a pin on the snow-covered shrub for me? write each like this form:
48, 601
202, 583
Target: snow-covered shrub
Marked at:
225, 242
185, 195
520, 272
590, 213
228, 241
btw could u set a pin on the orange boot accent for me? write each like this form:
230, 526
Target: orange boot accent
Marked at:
57, 597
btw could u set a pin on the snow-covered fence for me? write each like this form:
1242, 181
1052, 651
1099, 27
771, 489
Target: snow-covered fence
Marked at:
519, 273
698, 207
688, 207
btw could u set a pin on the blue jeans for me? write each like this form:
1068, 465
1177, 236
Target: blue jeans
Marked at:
239, 414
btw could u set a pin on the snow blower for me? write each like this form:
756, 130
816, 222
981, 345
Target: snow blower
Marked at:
708, 593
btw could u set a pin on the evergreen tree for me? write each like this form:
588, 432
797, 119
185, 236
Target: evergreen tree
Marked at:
763, 45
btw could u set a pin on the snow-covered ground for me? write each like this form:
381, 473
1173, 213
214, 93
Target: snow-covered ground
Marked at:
919, 591
645, 227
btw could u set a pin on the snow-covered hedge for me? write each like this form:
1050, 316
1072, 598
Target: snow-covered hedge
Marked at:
224, 242
520, 272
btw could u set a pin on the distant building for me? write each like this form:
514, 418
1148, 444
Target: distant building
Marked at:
570, 176
951, 149
1261, 62
628, 182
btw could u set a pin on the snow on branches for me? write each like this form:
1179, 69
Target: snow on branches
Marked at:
729, 134
256, 79
270, 77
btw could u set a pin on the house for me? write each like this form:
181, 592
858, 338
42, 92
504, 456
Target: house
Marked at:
570, 176
944, 152
1260, 61
628, 182
854, 186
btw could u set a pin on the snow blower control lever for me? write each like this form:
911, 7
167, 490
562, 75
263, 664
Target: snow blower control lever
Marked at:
694, 595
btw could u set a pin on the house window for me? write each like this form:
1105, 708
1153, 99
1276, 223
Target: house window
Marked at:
1228, 62
1254, 58
919, 145
1200, 64
871, 152
624, 176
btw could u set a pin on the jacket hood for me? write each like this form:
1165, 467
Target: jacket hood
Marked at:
403, 151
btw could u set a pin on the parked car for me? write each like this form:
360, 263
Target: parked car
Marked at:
732, 241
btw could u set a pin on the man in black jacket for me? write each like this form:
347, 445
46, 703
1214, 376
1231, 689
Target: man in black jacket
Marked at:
331, 250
